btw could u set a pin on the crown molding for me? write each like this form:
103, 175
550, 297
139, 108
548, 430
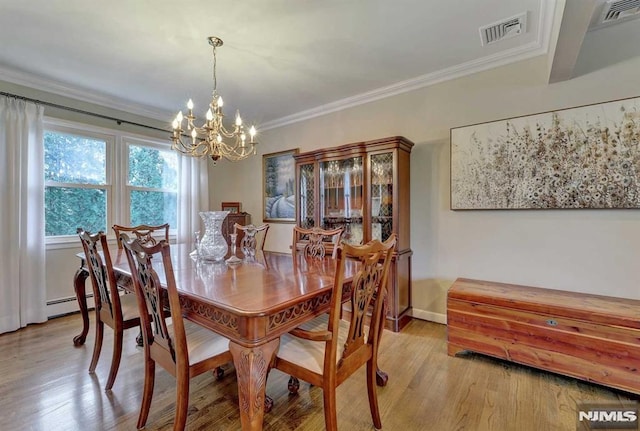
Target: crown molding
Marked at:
485, 63
538, 47
82, 94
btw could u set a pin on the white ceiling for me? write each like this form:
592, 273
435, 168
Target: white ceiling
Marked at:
282, 60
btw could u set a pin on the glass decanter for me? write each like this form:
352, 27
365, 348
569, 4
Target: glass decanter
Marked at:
212, 245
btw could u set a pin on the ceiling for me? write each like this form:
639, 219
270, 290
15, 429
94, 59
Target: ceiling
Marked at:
285, 60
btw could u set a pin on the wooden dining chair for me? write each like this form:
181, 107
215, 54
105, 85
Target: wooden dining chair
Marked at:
253, 237
185, 349
315, 242
325, 352
115, 311
146, 234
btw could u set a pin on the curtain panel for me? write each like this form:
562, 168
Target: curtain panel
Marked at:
193, 196
22, 256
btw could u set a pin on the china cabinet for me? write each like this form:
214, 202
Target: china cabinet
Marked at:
364, 188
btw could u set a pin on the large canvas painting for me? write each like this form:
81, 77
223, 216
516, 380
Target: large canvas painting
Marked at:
279, 191
584, 157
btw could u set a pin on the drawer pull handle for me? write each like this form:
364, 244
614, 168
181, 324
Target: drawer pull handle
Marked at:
552, 322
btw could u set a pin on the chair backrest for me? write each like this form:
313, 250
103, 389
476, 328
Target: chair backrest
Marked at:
315, 241
145, 233
368, 293
253, 237
105, 290
168, 348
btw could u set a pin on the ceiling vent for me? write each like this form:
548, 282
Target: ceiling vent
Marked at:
618, 10
504, 29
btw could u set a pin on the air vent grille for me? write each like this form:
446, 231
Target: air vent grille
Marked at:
615, 10
504, 29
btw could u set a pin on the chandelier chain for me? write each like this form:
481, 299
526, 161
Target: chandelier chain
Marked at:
215, 78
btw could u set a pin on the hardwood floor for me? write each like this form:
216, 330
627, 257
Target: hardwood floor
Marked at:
45, 385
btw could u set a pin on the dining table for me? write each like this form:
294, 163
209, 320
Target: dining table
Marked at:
252, 303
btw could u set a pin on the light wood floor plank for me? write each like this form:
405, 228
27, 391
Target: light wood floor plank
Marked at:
45, 385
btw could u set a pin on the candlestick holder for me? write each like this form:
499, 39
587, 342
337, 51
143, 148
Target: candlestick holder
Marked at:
233, 259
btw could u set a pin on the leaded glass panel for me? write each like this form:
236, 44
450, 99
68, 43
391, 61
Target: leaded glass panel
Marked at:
341, 197
307, 196
381, 196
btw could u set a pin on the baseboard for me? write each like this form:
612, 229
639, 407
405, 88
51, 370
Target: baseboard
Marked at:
67, 305
61, 306
429, 316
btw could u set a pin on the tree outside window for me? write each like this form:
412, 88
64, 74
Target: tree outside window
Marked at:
89, 184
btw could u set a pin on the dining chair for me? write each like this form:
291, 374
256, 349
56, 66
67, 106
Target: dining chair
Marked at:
185, 349
253, 237
328, 350
115, 311
315, 242
147, 234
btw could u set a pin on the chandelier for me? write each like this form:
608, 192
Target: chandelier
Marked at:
210, 139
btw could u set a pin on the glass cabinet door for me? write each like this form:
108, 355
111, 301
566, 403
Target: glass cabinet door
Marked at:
307, 197
381, 195
341, 202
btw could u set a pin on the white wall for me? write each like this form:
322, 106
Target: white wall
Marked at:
580, 250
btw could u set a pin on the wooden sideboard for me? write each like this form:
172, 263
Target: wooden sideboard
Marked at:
242, 218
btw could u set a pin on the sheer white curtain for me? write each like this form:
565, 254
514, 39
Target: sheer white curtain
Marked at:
22, 255
193, 196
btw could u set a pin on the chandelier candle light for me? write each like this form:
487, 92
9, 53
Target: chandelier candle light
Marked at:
209, 139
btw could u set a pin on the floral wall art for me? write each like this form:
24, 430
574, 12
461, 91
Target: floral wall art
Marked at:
584, 157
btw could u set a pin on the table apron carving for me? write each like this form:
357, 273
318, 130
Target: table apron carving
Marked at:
204, 314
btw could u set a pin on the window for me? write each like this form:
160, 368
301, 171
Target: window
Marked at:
97, 177
152, 185
77, 186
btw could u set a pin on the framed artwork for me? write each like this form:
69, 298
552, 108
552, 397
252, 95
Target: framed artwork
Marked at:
583, 157
232, 207
279, 187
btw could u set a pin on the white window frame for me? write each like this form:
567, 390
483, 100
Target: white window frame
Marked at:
126, 189
117, 173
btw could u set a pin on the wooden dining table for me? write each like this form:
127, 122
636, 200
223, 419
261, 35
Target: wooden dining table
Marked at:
251, 303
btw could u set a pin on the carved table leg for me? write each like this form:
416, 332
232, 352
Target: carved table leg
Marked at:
252, 365
79, 286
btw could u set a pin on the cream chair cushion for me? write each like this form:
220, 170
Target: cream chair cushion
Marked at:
310, 354
202, 343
